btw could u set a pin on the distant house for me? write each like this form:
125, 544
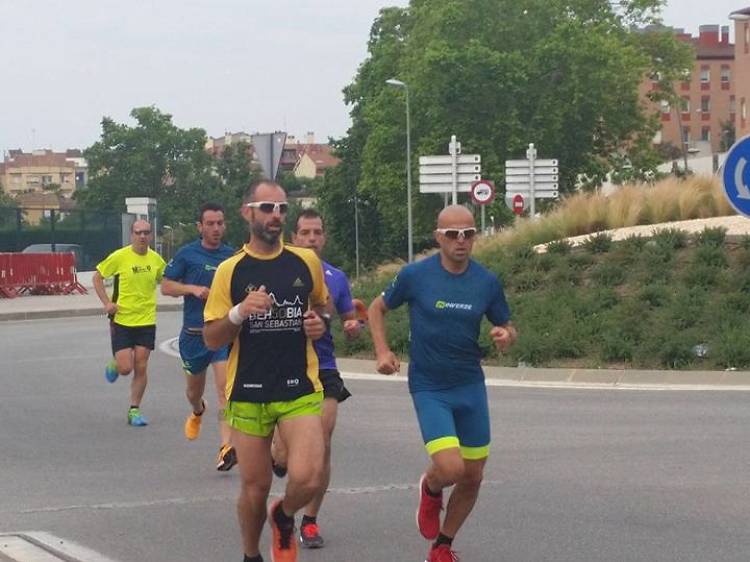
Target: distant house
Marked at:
314, 160
43, 170
38, 205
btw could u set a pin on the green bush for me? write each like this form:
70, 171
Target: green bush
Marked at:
745, 242
655, 295
560, 247
633, 243
608, 274
616, 348
700, 277
598, 243
671, 238
731, 349
710, 256
714, 237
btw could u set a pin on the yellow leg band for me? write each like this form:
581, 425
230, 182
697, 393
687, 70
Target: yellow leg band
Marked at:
441, 444
475, 453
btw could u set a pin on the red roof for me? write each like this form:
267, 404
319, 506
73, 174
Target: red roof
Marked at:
48, 159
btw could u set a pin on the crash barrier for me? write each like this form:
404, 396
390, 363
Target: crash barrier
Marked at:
38, 274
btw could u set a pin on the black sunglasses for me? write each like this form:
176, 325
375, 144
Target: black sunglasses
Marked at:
457, 233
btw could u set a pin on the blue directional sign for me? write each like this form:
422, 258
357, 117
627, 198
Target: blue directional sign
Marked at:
736, 176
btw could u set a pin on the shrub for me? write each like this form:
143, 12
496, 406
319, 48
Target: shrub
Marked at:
615, 347
713, 237
671, 238
633, 243
710, 256
598, 243
745, 242
686, 309
731, 349
560, 247
608, 274
700, 276
655, 295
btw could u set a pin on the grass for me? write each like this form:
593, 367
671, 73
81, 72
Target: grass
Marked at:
586, 213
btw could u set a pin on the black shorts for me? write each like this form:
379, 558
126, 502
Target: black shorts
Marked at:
333, 385
127, 337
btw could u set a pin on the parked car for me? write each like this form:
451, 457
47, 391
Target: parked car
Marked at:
81, 258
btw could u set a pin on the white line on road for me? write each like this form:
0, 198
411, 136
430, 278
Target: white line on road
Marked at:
39, 546
169, 347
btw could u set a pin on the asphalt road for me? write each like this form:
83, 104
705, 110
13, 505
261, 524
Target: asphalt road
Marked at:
575, 475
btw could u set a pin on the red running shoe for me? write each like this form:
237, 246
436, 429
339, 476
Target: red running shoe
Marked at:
428, 512
309, 536
442, 553
283, 543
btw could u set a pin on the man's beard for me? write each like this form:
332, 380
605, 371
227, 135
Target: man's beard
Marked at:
268, 237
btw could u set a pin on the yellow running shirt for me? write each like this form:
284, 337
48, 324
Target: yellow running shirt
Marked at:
271, 360
135, 278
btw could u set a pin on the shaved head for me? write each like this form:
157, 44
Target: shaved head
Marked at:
455, 216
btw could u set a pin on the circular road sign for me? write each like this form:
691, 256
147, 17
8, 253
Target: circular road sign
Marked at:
735, 176
518, 204
482, 192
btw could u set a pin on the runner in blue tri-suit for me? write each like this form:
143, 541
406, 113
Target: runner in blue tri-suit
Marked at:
190, 274
448, 295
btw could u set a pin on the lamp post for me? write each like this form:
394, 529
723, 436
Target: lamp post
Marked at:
400, 84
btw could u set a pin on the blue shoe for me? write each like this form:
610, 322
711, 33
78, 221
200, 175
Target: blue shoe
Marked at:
135, 418
110, 371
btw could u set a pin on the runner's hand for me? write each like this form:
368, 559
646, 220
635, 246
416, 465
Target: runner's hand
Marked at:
314, 325
352, 328
503, 337
387, 363
256, 302
110, 308
199, 292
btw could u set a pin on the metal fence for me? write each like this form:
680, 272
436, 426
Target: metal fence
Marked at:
91, 235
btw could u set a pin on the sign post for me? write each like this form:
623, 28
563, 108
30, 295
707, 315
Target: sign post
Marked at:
482, 193
451, 173
533, 178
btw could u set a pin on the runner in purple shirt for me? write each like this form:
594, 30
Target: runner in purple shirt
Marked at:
309, 233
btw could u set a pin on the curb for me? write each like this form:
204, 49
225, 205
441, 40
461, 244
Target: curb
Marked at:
72, 312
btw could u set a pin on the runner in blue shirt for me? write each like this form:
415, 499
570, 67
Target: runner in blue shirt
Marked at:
309, 232
189, 274
448, 295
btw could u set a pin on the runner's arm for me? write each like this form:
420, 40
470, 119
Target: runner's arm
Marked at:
387, 362
101, 292
173, 288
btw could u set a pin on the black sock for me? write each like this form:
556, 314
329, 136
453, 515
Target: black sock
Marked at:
307, 520
430, 492
282, 519
247, 558
442, 539
132, 407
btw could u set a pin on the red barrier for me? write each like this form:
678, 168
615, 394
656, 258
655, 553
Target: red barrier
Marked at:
38, 274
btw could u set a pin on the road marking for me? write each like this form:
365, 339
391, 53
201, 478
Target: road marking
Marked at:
39, 546
170, 348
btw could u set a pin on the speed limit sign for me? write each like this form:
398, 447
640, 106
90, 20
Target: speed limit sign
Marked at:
482, 192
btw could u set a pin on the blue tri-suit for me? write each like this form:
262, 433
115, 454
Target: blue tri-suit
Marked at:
446, 380
193, 264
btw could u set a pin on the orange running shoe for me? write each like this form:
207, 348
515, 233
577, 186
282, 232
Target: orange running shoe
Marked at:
283, 543
428, 512
193, 424
309, 536
442, 553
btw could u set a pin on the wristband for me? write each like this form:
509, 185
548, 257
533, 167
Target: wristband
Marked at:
234, 315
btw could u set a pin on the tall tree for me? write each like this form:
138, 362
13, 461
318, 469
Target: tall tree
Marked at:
155, 159
499, 74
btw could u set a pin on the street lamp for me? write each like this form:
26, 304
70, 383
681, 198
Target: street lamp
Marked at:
400, 84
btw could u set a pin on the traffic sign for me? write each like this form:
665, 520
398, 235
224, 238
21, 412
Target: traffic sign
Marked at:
448, 159
543, 170
539, 194
447, 169
538, 163
448, 178
482, 192
518, 203
444, 187
735, 176
526, 180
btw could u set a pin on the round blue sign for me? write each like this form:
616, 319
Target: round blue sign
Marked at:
735, 176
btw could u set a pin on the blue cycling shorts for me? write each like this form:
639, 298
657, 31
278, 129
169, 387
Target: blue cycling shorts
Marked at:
456, 417
196, 357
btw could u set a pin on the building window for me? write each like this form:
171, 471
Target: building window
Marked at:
705, 104
16, 179
686, 135
732, 105
33, 180
743, 109
706, 134
726, 73
665, 106
46, 180
705, 74
685, 105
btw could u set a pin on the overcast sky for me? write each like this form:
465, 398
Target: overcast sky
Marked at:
216, 64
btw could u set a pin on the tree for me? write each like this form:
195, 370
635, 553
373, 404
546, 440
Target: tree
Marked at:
499, 74
155, 159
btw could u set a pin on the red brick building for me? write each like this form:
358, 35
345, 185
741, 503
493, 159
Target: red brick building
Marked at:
742, 69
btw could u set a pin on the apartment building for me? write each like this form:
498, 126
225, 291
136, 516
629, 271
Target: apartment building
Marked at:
742, 69
43, 170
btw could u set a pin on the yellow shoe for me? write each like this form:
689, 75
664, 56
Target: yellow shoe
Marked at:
193, 424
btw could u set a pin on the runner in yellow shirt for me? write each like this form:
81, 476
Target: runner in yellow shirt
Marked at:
136, 270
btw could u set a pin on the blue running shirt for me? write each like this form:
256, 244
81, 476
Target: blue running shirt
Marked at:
341, 296
195, 265
445, 313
